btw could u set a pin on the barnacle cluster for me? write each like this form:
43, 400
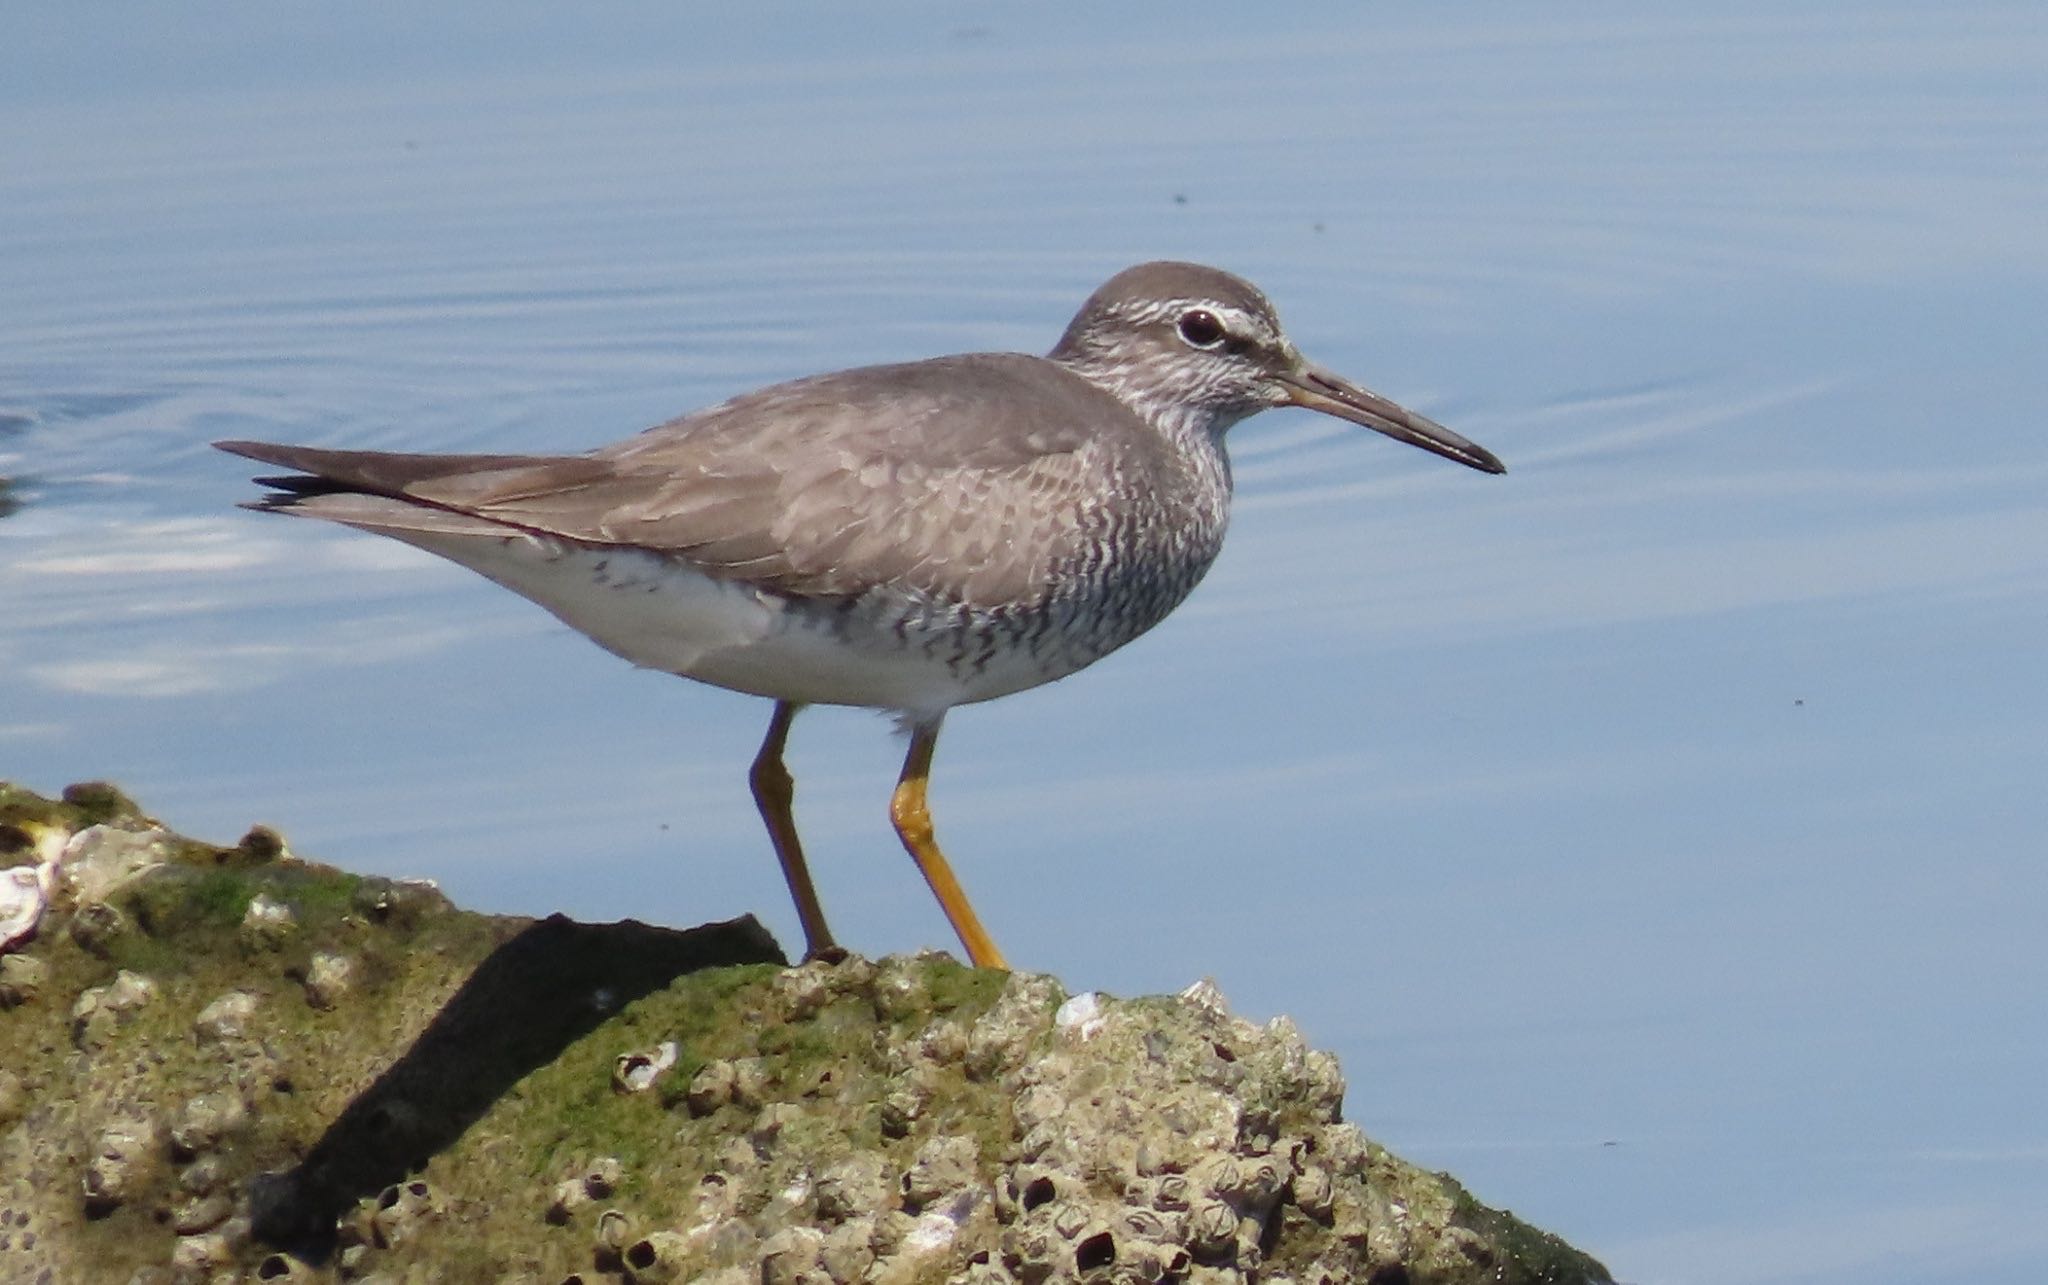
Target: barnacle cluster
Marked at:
1020, 1135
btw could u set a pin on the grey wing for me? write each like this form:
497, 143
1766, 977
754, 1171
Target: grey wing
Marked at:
962, 477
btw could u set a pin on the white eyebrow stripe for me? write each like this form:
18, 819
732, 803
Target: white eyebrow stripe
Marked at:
1239, 322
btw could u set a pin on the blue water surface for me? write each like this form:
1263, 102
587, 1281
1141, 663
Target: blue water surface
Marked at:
1655, 832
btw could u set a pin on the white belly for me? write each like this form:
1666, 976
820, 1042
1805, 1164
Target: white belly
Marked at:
661, 614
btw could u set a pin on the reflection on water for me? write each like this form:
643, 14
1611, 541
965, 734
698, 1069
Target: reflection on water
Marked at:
1674, 791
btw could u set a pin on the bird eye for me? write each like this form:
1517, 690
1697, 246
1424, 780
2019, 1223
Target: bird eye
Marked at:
1201, 329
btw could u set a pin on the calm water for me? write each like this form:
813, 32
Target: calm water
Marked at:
1656, 831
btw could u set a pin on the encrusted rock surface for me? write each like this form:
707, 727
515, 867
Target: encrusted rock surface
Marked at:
244, 1067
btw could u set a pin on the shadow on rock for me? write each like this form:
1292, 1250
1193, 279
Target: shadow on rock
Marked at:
531, 998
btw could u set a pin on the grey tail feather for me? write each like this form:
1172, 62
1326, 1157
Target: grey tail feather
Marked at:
371, 490
298, 484
386, 473
408, 520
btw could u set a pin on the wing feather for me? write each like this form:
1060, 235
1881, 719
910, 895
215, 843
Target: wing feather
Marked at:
962, 477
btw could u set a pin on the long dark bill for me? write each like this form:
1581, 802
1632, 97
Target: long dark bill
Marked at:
1318, 389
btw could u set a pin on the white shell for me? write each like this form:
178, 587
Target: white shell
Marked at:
638, 1072
1081, 1016
24, 895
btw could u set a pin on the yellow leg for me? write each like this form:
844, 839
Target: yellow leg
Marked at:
774, 791
914, 826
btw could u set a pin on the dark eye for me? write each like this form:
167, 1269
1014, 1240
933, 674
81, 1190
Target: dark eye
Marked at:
1200, 328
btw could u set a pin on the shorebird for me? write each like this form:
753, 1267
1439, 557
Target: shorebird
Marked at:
905, 537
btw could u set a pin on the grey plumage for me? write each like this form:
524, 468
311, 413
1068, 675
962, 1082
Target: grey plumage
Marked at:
909, 536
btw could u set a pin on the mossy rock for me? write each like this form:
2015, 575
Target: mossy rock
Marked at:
237, 1061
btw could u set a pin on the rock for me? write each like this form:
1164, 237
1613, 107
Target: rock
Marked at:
398, 902
100, 801
847, 1252
14, 1097
101, 859
568, 1196
199, 1257
855, 1186
330, 976
791, 1256
122, 1164
205, 1121
750, 1080
268, 924
202, 1214
98, 926
203, 1175
101, 1010
712, 1087
905, 1120
21, 979
403, 1209
805, 989
226, 1019
262, 844
660, 1256
944, 1167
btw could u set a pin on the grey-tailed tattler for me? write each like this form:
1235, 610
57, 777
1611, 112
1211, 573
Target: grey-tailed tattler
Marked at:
904, 537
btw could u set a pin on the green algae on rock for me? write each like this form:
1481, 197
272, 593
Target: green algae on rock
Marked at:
246, 1066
